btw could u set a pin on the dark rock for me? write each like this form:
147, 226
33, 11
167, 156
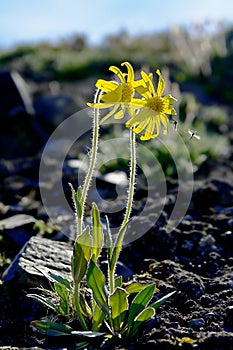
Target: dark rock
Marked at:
18, 135
19, 228
197, 323
14, 95
229, 317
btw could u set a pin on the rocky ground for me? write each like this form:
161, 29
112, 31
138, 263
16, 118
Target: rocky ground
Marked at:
195, 259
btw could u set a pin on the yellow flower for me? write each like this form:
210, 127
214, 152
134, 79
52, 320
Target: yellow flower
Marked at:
153, 110
117, 95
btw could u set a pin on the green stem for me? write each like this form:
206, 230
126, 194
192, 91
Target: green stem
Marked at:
77, 306
120, 236
93, 157
132, 179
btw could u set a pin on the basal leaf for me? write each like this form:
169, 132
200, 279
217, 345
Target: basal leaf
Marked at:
98, 318
144, 316
134, 287
139, 303
81, 255
159, 302
96, 281
119, 306
64, 298
44, 301
52, 328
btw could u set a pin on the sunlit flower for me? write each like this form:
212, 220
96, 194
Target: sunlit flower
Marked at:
153, 110
118, 95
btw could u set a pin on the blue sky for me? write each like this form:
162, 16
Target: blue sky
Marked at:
29, 20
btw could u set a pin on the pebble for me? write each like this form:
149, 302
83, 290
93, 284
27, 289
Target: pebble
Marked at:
197, 322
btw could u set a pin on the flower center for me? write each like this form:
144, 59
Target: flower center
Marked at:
127, 92
156, 104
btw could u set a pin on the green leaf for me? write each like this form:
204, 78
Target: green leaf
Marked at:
97, 233
54, 277
118, 281
61, 280
119, 306
81, 255
96, 281
139, 303
159, 302
44, 301
52, 328
64, 299
134, 287
85, 309
98, 318
144, 316
76, 196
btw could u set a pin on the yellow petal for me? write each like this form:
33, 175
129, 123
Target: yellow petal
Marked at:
130, 71
106, 86
113, 96
161, 84
170, 99
139, 118
164, 120
141, 126
120, 114
110, 113
148, 81
118, 72
99, 105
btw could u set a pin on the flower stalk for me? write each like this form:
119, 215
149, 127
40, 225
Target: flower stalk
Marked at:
93, 157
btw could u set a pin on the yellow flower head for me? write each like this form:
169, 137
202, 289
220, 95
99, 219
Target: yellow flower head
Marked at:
153, 110
118, 95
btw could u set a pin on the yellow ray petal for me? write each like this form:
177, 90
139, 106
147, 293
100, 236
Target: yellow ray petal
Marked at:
110, 113
130, 71
99, 105
148, 81
161, 84
118, 72
141, 126
106, 86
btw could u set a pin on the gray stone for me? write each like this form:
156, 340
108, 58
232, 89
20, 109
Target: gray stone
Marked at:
16, 221
19, 228
39, 254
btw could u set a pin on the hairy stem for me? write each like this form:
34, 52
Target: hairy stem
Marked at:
93, 157
132, 179
120, 236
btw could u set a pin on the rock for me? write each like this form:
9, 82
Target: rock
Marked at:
39, 254
19, 228
14, 95
16, 221
19, 133
197, 322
